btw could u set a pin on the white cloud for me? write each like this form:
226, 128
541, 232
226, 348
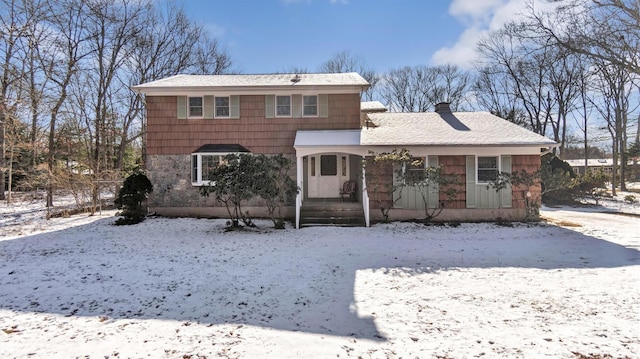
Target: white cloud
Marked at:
478, 17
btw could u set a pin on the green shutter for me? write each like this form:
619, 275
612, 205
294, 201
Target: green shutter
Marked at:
323, 105
471, 182
434, 191
506, 194
296, 106
234, 106
270, 106
182, 107
207, 111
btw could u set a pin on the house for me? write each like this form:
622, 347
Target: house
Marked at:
593, 164
317, 120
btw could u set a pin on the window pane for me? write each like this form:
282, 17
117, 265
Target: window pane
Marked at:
313, 166
344, 166
222, 101
222, 106
310, 105
488, 162
195, 106
194, 168
283, 106
328, 165
208, 164
487, 169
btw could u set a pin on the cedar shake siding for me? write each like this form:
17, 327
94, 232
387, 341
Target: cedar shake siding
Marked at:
168, 135
530, 164
458, 209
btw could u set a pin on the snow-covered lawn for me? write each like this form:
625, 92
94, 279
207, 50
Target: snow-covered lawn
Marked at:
182, 288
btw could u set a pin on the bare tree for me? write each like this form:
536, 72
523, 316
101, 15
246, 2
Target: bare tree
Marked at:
604, 30
613, 90
344, 61
60, 59
494, 91
14, 28
526, 67
404, 89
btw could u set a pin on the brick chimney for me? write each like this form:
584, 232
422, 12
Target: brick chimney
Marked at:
443, 107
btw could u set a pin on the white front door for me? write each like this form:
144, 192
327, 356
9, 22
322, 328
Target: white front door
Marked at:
326, 173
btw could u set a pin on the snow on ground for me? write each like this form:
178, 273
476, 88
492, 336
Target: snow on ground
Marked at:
183, 288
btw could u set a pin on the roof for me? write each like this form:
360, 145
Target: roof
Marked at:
221, 148
372, 106
448, 129
327, 138
591, 162
234, 82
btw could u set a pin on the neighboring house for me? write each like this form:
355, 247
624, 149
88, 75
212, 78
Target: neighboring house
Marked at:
316, 120
603, 164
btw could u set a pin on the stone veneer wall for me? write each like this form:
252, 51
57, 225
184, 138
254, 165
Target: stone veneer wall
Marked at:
171, 179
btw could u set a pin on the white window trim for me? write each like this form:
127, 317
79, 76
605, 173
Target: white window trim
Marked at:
290, 105
189, 107
317, 106
199, 181
498, 169
215, 106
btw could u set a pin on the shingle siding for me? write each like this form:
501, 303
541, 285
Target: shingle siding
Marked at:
168, 135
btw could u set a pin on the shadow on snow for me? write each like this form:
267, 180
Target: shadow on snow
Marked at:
296, 280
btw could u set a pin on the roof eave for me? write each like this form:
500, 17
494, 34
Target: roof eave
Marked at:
247, 90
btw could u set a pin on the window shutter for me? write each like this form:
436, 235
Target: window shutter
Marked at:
506, 194
234, 106
471, 182
323, 105
434, 191
296, 106
182, 107
270, 106
208, 106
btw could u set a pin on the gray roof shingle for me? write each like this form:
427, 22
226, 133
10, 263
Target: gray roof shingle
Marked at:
448, 129
265, 80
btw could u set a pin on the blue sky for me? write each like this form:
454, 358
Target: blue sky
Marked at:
265, 36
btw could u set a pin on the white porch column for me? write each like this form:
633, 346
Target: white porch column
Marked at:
365, 197
299, 180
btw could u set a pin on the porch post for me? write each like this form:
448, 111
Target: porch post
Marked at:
299, 178
365, 197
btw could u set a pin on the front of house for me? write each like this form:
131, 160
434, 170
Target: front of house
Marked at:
317, 120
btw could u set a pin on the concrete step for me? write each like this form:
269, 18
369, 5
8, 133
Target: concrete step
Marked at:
336, 214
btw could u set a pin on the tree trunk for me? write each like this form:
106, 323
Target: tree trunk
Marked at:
2, 160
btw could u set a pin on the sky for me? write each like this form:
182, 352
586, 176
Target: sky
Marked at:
266, 36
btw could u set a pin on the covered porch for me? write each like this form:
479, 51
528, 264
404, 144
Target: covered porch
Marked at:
331, 178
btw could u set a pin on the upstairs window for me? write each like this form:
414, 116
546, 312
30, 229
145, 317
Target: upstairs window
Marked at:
310, 105
195, 106
222, 106
487, 169
283, 106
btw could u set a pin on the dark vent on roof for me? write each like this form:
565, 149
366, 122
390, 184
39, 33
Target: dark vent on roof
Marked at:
296, 79
221, 148
443, 107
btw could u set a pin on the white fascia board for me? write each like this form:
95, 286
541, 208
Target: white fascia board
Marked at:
314, 150
268, 90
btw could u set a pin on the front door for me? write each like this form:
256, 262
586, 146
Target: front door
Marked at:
326, 173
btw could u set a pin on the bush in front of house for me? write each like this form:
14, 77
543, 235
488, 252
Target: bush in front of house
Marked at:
133, 193
244, 176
